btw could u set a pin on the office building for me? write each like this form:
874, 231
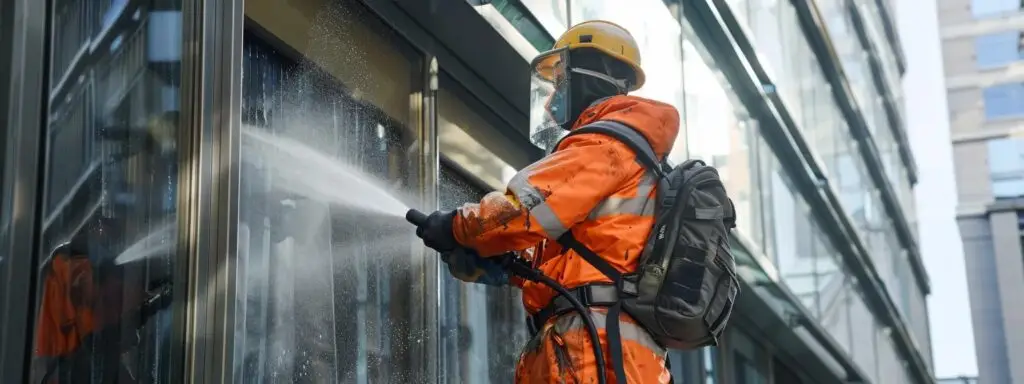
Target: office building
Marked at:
983, 49
171, 233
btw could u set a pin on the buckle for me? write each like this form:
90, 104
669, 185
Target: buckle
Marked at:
584, 295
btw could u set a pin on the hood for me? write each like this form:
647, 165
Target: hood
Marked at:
657, 121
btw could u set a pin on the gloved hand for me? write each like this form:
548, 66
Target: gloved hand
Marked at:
466, 265
437, 231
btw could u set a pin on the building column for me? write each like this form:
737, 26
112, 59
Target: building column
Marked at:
1009, 263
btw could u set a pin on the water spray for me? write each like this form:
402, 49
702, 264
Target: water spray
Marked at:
518, 267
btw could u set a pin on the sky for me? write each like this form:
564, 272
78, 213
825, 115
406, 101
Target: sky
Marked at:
928, 129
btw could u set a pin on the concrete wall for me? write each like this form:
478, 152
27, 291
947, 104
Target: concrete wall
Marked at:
1009, 263
986, 306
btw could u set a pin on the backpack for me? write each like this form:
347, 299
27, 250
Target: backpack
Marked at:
685, 285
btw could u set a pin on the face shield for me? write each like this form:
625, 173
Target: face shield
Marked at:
549, 98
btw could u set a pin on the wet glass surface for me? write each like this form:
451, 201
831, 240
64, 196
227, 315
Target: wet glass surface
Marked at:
482, 328
327, 265
109, 206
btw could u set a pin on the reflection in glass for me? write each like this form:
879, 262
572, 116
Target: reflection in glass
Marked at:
324, 287
719, 131
111, 166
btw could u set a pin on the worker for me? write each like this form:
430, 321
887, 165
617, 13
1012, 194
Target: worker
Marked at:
590, 185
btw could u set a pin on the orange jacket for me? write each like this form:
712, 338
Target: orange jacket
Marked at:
66, 315
592, 185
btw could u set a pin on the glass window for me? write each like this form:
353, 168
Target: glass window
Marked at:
719, 131
990, 8
862, 332
783, 374
327, 269
1004, 101
835, 312
750, 360
999, 49
1006, 167
482, 329
111, 181
710, 362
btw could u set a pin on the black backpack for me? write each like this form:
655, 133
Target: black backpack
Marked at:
685, 284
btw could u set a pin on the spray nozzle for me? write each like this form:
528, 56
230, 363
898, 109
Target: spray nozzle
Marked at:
415, 217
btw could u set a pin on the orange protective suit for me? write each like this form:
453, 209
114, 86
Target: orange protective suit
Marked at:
594, 186
66, 312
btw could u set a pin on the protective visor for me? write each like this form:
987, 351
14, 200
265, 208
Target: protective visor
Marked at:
549, 98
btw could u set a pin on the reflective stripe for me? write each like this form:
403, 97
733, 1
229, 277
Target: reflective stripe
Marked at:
627, 330
647, 184
708, 213
641, 205
534, 202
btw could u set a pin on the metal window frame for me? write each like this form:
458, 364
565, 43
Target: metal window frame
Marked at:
208, 201
27, 34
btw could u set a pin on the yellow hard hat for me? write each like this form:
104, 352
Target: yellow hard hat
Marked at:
607, 37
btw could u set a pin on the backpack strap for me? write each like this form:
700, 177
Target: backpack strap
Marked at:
627, 135
650, 160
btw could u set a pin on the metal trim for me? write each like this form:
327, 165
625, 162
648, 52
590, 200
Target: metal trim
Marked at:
21, 209
812, 24
890, 33
891, 109
212, 110
737, 59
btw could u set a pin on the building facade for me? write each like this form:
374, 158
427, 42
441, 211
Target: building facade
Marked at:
983, 49
201, 226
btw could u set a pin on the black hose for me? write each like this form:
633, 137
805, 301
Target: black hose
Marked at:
535, 275
418, 218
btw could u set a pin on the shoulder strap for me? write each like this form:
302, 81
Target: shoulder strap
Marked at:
627, 135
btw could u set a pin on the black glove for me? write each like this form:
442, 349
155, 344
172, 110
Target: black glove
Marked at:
436, 232
466, 265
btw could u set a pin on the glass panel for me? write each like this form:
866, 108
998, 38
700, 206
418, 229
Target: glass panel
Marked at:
710, 355
862, 332
835, 314
803, 254
111, 176
482, 328
719, 131
992, 8
1004, 101
326, 265
998, 49
751, 361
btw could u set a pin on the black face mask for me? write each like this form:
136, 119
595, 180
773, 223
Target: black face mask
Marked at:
584, 90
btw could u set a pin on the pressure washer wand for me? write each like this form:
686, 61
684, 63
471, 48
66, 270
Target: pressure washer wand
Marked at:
521, 269
415, 217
